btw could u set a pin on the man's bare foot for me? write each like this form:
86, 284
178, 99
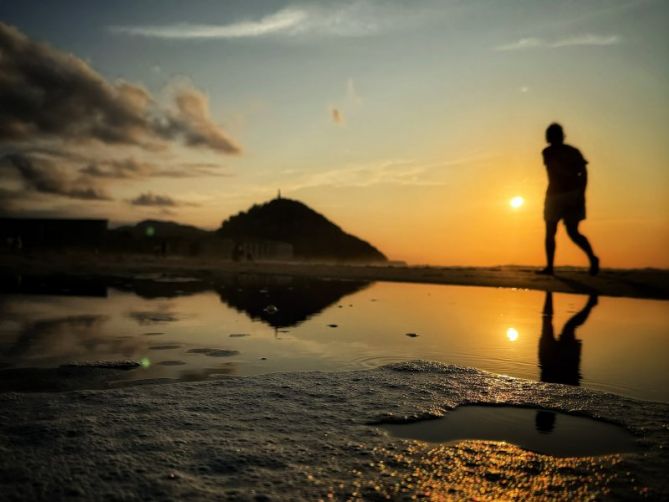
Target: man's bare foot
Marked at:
594, 266
545, 271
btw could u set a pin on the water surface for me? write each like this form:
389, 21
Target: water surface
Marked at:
187, 329
541, 431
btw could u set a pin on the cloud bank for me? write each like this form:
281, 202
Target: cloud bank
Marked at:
48, 94
46, 177
67, 131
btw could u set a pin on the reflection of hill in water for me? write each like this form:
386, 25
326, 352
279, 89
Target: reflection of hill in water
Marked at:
296, 298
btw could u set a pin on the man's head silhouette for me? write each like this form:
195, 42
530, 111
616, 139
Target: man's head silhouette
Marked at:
555, 134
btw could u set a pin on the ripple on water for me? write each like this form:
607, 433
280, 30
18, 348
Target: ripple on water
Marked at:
371, 362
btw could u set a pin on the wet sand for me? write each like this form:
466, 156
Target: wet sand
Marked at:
633, 283
314, 436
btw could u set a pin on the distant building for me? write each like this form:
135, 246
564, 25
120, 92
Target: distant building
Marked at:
260, 250
34, 234
242, 250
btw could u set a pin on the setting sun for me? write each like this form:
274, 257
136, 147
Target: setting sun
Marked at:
516, 202
512, 334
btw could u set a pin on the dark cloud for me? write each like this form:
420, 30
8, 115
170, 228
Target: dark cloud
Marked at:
155, 200
150, 199
131, 168
46, 94
46, 177
119, 169
196, 169
192, 122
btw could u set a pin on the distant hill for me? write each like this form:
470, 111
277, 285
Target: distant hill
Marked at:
162, 229
311, 234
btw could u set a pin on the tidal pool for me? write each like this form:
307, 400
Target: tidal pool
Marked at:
188, 329
541, 431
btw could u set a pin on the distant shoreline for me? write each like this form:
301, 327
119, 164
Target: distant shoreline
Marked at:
631, 283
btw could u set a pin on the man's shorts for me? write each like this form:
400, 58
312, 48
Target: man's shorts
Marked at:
567, 206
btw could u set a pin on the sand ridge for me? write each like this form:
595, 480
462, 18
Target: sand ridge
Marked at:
633, 283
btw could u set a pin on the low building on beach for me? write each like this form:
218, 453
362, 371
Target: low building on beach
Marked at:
35, 234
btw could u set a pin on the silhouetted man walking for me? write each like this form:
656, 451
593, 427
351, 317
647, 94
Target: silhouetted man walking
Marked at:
565, 197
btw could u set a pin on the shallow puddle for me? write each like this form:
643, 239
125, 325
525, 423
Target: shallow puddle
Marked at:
226, 327
541, 431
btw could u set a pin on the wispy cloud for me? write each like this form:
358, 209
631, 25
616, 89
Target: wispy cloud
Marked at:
283, 20
523, 43
403, 172
588, 39
352, 95
353, 19
578, 40
346, 104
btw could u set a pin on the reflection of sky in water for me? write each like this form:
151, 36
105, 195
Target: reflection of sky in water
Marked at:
621, 346
528, 428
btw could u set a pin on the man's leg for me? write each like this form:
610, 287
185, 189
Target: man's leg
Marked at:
578, 319
551, 229
582, 241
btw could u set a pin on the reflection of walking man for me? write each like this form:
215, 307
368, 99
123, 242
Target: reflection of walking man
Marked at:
560, 359
565, 197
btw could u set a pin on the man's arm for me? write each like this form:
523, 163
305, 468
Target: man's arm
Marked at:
580, 170
583, 173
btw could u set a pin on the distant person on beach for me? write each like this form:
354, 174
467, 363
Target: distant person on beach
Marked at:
565, 196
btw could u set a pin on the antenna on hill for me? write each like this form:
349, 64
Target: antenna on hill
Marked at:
278, 195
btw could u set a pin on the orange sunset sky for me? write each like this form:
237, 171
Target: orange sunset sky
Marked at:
410, 124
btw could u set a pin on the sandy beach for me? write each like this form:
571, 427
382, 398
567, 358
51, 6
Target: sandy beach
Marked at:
632, 283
